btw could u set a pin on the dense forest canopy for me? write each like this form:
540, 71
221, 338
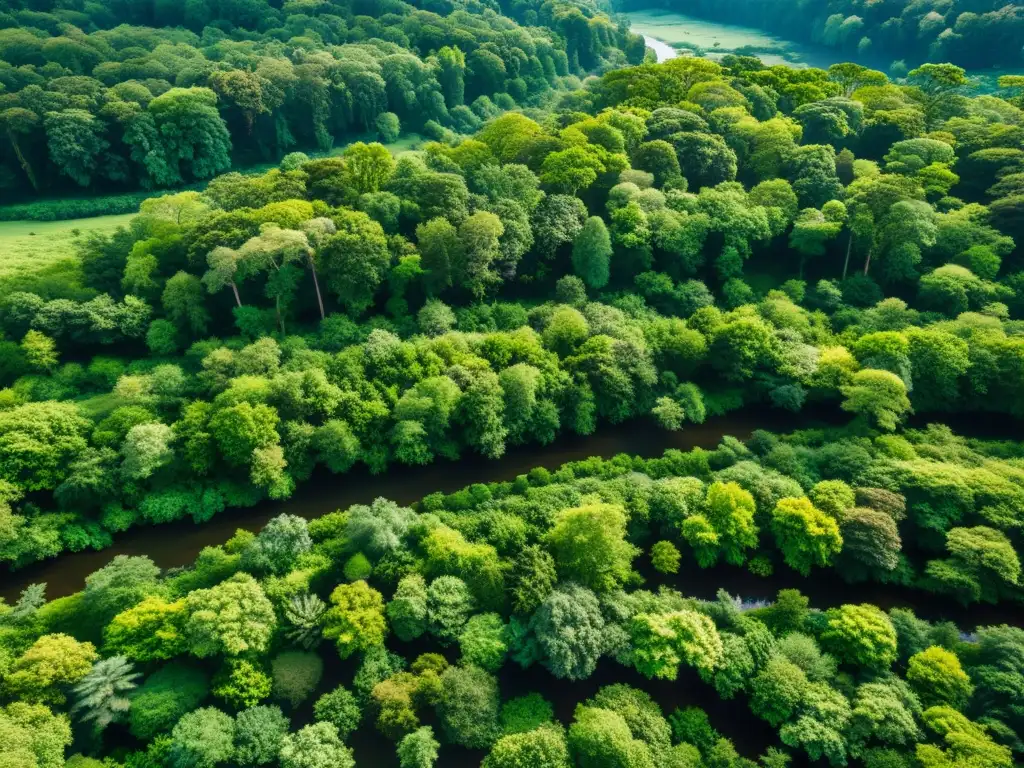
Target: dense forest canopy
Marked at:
121, 95
535, 278
219, 663
586, 237
972, 33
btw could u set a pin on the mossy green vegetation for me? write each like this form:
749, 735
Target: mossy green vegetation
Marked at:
32, 246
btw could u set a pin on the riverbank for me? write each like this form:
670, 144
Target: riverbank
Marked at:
176, 544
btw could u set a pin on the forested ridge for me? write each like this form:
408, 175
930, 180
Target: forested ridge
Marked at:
121, 95
580, 242
971, 33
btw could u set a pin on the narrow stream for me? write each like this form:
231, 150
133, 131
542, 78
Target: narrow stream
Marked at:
176, 544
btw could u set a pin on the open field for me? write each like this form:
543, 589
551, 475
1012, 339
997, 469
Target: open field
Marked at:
27, 246
714, 39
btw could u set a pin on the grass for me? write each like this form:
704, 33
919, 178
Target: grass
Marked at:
30, 246
716, 40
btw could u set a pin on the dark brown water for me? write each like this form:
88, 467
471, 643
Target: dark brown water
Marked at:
178, 543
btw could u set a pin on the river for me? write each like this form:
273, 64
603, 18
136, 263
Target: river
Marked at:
178, 543
663, 50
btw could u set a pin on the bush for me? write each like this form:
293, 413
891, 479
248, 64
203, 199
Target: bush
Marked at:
74, 207
525, 713
164, 698
296, 675
357, 568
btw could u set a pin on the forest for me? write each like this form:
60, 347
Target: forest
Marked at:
975, 34
585, 238
119, 95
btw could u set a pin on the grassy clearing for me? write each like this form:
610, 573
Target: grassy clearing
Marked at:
680, 28
29, 246
407, 142
716, 40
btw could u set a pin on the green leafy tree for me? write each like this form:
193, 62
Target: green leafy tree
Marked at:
276, 548
52, 662
982, 564
356, 620
533, 577
805, 535
32, 736
479, 247
665, 557
449, 605
296, 675
725, 526
660, 642
259, 732
146, 448
777, 690
38, 443
101, 696
589, 546
40, 351
407, 610
965, 742
483, 643
202, 739
314, 746
861, 635
601, 737
233, 618
468, 707
76, 143
440, 249
568, 630
193, 139
936, 676
354, 260
240, 684
525, 713
543, 747
418, 749
164, 697
339, 708
879, 395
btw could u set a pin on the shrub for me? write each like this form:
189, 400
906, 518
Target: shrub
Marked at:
296, 675
164, 697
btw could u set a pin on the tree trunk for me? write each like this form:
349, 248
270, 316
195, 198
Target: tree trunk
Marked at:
849, 247
280, 318
234, 288
316, 284
24, 161
867, 262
